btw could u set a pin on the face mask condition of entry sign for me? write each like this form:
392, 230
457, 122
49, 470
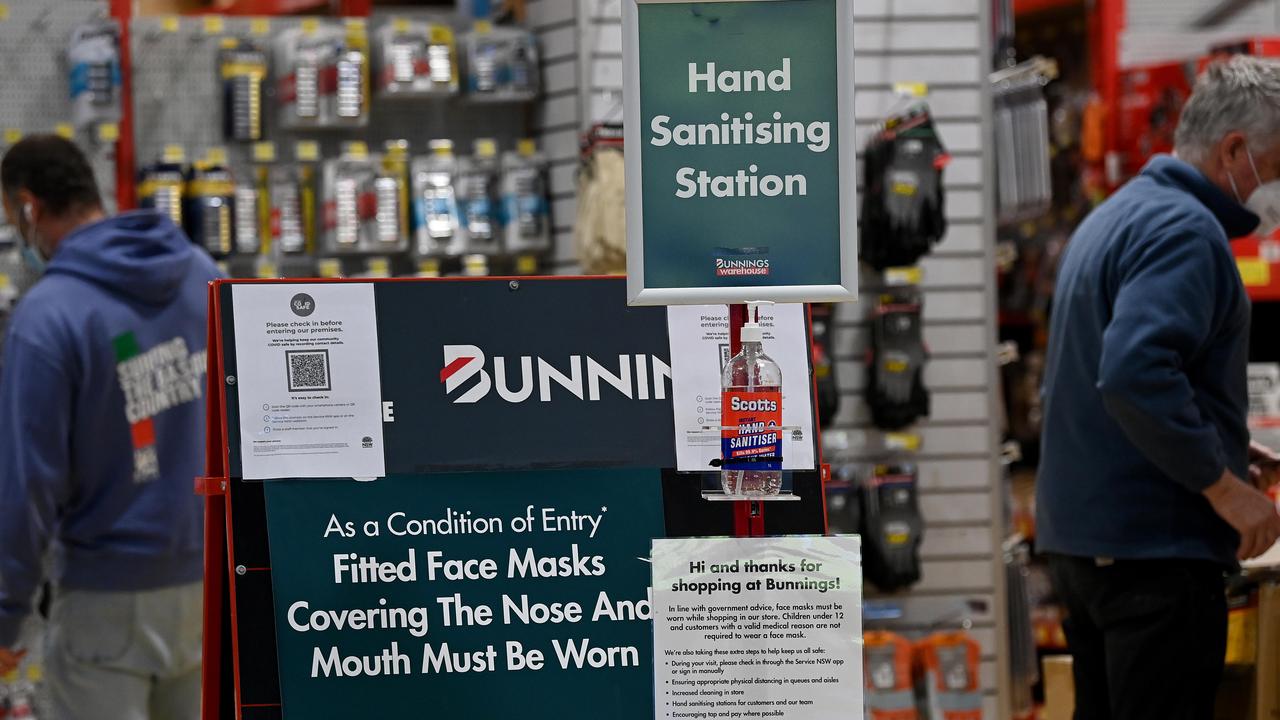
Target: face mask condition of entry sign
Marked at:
471, 595
741, 185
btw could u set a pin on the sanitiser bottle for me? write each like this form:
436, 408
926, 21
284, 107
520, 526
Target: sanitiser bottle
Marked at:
751, 416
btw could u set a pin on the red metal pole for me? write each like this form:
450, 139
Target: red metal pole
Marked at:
126, 197
215, 535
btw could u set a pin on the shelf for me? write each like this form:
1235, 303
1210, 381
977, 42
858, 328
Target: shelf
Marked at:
715, 496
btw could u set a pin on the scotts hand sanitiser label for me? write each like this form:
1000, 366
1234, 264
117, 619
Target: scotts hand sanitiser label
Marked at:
751, 429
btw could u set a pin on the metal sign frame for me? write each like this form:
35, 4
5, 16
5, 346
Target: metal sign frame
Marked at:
846, 134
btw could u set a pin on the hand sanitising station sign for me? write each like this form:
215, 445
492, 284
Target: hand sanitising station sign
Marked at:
740, 151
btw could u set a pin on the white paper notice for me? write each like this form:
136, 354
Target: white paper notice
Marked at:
758, 628
699, 352
307, 377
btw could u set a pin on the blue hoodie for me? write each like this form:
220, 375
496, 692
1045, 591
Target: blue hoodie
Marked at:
1145, 392
102, 416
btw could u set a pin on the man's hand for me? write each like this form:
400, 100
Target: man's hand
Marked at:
1249, 511
1264, 466
9, 659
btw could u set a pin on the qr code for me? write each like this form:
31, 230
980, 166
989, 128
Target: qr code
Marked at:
308, 370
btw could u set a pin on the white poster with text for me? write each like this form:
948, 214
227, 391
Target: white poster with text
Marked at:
699, 353
308, 381
758, 628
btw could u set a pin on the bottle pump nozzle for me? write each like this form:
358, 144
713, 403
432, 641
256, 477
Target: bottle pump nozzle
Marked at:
751, 330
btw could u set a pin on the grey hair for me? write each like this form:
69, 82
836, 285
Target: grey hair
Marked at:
1241, 94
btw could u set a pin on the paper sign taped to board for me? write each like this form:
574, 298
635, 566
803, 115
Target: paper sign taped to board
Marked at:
310, 394
758, 627
699, 353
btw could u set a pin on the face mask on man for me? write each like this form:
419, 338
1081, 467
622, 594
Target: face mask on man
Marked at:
1264, 202
31, 255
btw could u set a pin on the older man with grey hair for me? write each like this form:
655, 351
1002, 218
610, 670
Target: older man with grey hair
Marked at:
1144, 498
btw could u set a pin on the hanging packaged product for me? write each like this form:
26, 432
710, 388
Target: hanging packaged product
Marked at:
208, 208
291, 192
325, 75
93, 57
475, 266
887, 673
903, 206
502, 63
477, 190
247, 217
751, 416
160, 187
417, 59
950, 671
891, 527
822, 321
242, 69
363, 204
437, 231
525, 215
252, 207
895, 362
393, 198
599, 229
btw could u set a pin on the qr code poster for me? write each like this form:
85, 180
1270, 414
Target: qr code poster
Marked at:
308, 370
323, 418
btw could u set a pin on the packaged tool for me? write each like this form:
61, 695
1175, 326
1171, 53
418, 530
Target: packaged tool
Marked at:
242, 70
823, 327
525, 215
903, 206
950, 670
895, 362
502, 63
324, 75
888, 678
291, 193
363, 204
392, 188
477, 192
416, 59
475, 265
252, 207
892, 527
437, 230
160, 186
208, 208
93, 57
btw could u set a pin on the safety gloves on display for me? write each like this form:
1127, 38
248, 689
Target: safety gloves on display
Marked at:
902, 214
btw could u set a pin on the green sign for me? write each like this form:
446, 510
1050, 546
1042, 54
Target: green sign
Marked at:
481, 595
740, 151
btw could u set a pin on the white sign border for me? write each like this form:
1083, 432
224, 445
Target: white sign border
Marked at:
633, 137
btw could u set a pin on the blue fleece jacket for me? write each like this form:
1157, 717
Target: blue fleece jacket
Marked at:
102, 415
1145, 391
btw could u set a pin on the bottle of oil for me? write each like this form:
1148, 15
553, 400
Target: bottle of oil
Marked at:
751, 416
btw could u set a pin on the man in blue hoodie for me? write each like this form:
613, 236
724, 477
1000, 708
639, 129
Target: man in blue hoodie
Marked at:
101, 434
1141, 498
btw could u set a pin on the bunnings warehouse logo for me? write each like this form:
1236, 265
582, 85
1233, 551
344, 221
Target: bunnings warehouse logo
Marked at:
737, 262
635, 377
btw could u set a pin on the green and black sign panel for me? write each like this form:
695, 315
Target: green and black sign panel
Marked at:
497, 564
741, 184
